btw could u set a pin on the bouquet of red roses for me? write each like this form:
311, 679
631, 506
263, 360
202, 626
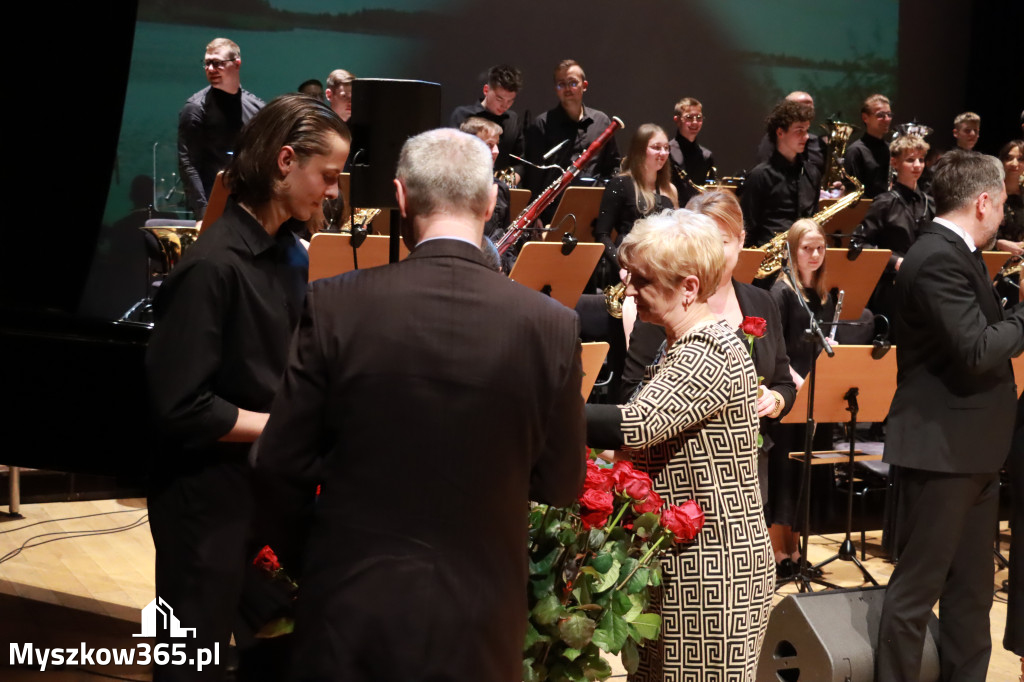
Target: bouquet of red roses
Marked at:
591, 569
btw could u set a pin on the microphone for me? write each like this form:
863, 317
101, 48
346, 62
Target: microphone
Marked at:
880, 345
569, 240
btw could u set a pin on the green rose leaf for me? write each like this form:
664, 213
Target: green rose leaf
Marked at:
607, 579
545, 564
571, 654
648, 521
533, 636
548, 610
647, 625
529, 674
621, 603
630, 657
577, 630
595, 667
639, 580
656, 576
542, 587
581, 590
611, 633
637, 604
597, 538
602, 562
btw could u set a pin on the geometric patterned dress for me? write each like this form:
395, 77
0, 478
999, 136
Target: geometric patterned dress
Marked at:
693, 428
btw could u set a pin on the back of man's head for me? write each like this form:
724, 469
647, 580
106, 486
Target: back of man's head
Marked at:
960, 176
445, 171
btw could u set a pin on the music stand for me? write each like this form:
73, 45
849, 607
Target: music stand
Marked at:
994, 261
747, 265
851, 386
858, 278
332, 254
518, 199
216, 203
582, 202
594, 353
846, 221
542, 267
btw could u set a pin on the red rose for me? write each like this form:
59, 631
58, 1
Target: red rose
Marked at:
755, 326
598, 478
684, 521
598, 501
652, 504
267, 560
637, 489
623, 473
595, 519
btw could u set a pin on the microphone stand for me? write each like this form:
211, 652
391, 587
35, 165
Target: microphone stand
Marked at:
805, 575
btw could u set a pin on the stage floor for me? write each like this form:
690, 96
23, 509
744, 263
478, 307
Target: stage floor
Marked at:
85, 580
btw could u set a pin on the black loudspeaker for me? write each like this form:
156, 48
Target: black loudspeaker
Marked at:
830, 637
385, 113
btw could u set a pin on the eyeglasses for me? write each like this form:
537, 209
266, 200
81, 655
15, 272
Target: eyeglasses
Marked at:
693, 118
573, 84
217, 64
657, 148
882, 115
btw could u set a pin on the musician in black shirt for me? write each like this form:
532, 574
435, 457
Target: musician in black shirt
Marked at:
895, 217
503, 84
224, 321
815, 149
784, 188
692, 163
575, 125
867, 159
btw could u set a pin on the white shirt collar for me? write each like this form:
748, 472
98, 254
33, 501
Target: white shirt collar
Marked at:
958, 231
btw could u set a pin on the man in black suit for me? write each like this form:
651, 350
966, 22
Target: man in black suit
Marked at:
949, 426
431, 398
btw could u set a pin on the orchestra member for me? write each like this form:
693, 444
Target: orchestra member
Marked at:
339, 93
224, 319
784, 188
1011, 231
643, 187
209, 123
575, 125
435, 337
807, 244
949, 427
867, 159
687, 156
816, 152
495, 227
313, 88
499, 94
896, 216
966, 130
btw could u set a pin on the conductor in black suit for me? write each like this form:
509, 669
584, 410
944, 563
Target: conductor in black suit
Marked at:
949, 426
431, 398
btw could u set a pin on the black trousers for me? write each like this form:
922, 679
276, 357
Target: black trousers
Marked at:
946, 530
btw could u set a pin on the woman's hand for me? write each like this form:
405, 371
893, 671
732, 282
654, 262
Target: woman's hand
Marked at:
769, 402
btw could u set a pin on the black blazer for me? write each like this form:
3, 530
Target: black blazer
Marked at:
770, 359
955, 397
431, 398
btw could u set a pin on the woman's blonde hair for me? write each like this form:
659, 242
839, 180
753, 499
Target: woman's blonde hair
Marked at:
633, 164
721, 207
672, 245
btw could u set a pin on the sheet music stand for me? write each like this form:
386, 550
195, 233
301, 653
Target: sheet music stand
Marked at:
747, 265
332, 254
994, 261
518, 199
585, 204
594, 353
542, 267
216, 203
846, 221
858, 278
851, 386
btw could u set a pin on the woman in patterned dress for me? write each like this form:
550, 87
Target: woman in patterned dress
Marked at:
693, 428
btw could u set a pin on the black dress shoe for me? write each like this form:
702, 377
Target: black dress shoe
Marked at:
785, 569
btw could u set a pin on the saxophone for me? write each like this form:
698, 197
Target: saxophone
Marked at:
838, 137
613, 297
775, 249
506, 175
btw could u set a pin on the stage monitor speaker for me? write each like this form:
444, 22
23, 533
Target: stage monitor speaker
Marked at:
385, 113
831, 637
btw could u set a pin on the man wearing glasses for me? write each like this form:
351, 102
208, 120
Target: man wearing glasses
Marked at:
210, 121
692, 164
867, 159
574, 127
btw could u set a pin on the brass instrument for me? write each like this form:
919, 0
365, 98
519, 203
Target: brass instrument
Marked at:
685, 177
506, 175
838, 137
614, 294
775, 249
1012, 266
173, 241
361, 217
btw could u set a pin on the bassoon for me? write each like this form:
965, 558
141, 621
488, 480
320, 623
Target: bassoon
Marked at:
537, 206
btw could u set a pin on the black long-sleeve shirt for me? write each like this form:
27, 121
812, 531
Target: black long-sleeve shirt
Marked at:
776, 194
511, 141
555, 126
693, 158
893, 220
867, 159
224, 321
619, 210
